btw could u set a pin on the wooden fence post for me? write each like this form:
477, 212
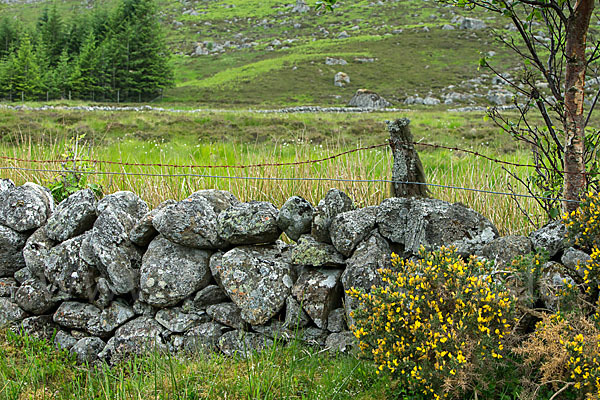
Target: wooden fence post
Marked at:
407, 165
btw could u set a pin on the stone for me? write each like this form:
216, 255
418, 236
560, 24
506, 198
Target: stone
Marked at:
64, 341
143, 231
136, 337
362, 269
212, 294
276, 330
34, 297
295, 317
10, 312
295, 217
110, 319
243, 344
472, 24
11, 255
317, 254
103, 293
432, 223
26, 207
341, 342
117, 258
124, 201
204, 337
313, 336
177, 321
341, 79
431, 101
220, 200
39, 327
552, 281
23, 275
575, 260
36, 250
319, 292
141, 308
227, 314
551, 238
86, 350
301, 7
6, 184
73, 216
505, 249
336, 322
335, 61
334, 203
74, 315
343, 35
65, 269
249, 223
8, 287
171, 272
258, 280
191, 222
215, 266
364, 98
351, 227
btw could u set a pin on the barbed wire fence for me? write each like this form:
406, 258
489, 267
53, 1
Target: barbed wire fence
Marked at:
101, 167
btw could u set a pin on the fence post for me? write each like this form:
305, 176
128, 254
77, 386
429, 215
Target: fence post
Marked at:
407, 166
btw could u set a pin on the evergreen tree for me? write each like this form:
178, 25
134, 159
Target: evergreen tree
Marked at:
52, 35
61, 76
27, 76
84, 77
9, 36
7, 76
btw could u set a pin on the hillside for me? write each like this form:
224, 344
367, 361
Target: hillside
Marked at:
250, 53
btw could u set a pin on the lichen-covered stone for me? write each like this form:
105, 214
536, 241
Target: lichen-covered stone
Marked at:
258, 280
64, 341
334, 203
553, 280
138, 336
431, 223
34, 297
74, 315
73, 216
171, 272
336, 322
11, 255
10, 312
242, 343
317, 254
227, 314
116, 257
215, 266
141, 308
313, 336
276, 330
177, 321
8, 287
349, 228
86, 350
36, 250
361, 270
551, 238
124, 201
110, 319
220, 200
575, 260
319, 292
295, 217
504, 249
204, 337
26, 207
6, 184
295, 317
212, 294
64, 267
103, 295
39, 327
143, 231
341, 342
249, 223
23, 275
191, 222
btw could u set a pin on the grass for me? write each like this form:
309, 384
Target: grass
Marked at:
33, 369
242, 138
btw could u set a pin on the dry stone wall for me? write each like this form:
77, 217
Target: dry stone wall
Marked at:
109, 278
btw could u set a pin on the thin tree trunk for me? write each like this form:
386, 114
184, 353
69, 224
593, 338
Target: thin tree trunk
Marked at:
575, 179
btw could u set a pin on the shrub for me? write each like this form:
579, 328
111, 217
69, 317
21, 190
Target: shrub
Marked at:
439, 324
583, 224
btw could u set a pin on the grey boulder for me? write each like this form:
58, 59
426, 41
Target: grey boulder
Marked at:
34, 297
177, 321
349, 228
204, 337
36, 250
575, 260
334, 203
171, 272
136, 337
550, 237
319, 292
227, 314
26, 207
249, 223
295, 317
295, 217
341, 342
86, 350
243, 344
64, 341
124, 201
317, 254
39, 327
432, 223
74, 315
143, 231
258, 279
212, 294
10, 312
8, 287
73, 216
110, 319
505, 249
11, 255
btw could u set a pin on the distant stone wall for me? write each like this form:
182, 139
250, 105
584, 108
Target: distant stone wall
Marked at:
109, 278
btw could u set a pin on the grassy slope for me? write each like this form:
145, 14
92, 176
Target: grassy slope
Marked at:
406, 63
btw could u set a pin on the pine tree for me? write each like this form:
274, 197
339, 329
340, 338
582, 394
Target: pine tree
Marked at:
84, 77
9, 36
61, 75
52, 35
27, 77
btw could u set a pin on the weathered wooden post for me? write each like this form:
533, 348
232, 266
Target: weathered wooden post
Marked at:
407, 165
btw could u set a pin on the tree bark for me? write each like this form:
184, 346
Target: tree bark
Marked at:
574, 174
407, 165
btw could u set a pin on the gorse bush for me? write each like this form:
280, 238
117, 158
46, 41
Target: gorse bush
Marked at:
583, 224
439, 324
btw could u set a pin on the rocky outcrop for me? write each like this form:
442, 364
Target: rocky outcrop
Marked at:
368, 99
